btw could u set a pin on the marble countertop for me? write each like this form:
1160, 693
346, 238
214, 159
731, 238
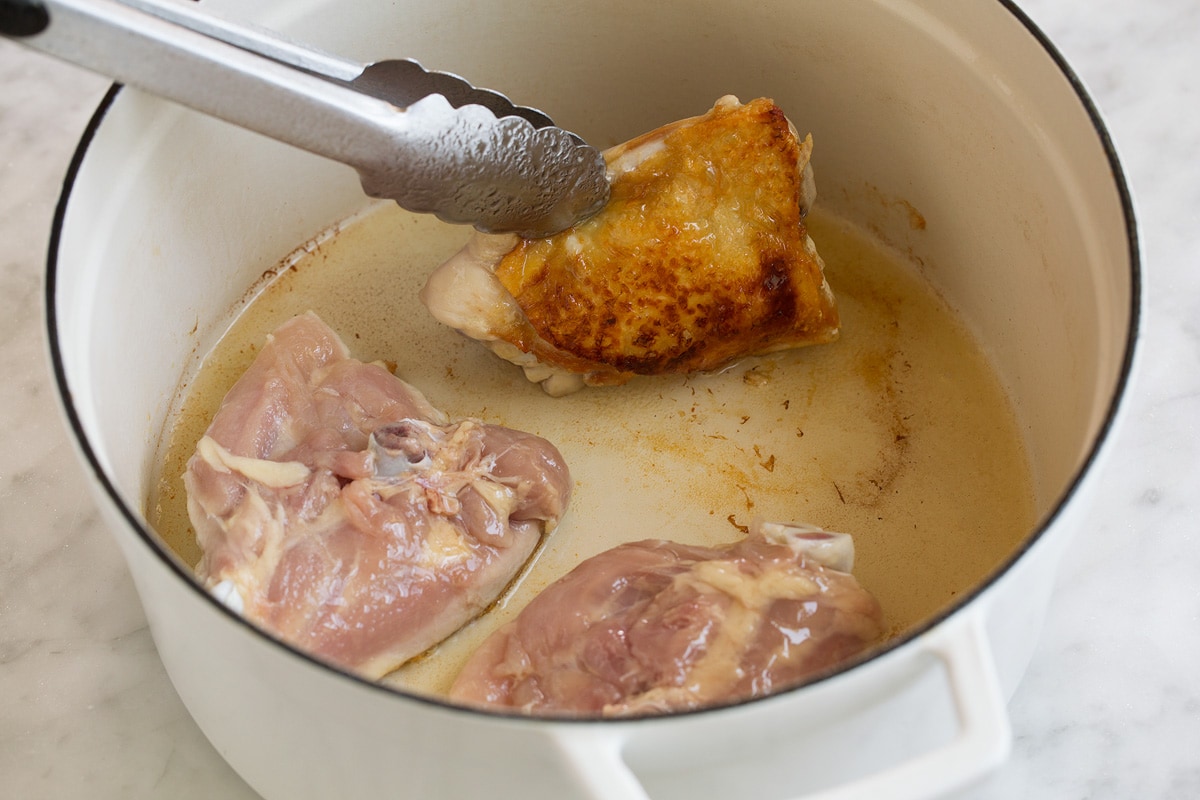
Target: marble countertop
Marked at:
1110, 706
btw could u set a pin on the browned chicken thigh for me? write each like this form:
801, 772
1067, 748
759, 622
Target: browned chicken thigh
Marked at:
700, 257
655, 626
339, 510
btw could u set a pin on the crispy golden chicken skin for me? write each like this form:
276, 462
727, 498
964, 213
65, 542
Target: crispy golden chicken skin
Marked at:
701, 257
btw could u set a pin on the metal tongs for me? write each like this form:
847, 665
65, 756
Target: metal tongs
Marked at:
428, 140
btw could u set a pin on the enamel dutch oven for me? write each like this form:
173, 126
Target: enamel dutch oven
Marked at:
959, 107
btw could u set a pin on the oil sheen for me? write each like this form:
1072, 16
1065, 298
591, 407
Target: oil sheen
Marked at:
899, 433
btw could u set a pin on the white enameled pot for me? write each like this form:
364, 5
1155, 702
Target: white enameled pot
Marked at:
958, 108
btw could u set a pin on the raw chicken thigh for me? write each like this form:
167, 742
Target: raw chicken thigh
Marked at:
655, 626
700, 257
338, 509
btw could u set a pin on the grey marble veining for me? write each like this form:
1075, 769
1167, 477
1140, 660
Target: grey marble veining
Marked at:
1110, 706
85, 707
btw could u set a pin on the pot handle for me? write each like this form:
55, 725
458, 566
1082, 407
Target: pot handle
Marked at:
983, 741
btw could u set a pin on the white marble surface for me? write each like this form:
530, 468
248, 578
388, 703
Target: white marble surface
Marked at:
1110, 707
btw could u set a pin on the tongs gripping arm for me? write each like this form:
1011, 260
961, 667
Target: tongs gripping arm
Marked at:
464, 164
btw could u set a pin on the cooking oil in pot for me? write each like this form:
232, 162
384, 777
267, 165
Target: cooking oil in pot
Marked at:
900, 433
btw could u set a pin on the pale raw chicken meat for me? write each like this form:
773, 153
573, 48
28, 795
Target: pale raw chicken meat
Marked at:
700, 257
655, 626
340, 511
